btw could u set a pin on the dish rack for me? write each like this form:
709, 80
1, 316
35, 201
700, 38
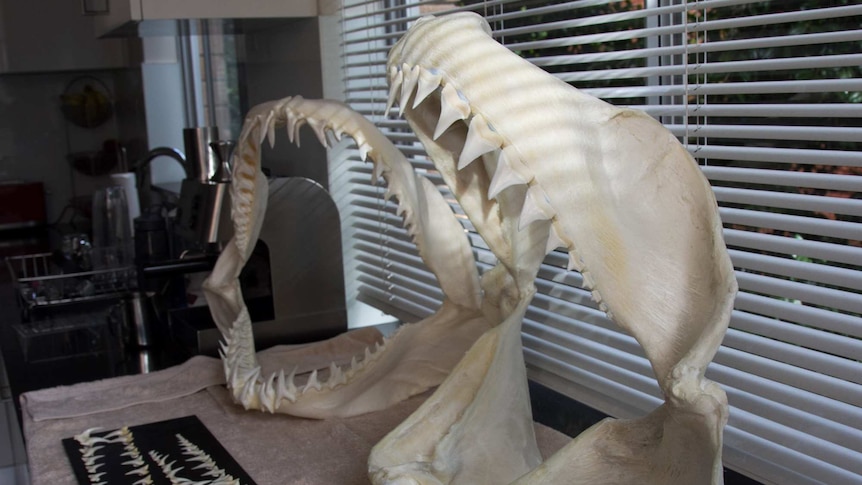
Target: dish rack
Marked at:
43, 282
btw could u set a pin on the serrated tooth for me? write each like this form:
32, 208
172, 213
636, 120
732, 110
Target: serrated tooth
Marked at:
319, 129
291, 129
353, 363
588, 280
367, 355
364, 150
267, 394
429, 81
312, 383
453, 107
481, 139
286, 387
137, 461
248, 393
337, 133
394, 87
554, 240
506, 174
331, 138
234, 377
575, 262
408, 85
270, 129
90, 451
336, 376
536, 208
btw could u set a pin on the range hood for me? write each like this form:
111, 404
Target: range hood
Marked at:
158, 17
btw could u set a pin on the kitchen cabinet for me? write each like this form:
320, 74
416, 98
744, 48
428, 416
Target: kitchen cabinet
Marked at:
54, 35
134, 17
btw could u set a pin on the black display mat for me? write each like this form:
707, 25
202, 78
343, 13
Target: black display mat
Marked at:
160, 437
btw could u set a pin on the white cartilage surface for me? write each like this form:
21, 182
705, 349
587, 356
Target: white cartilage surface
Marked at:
535, 165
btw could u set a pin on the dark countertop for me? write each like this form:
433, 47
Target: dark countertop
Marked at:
44, 364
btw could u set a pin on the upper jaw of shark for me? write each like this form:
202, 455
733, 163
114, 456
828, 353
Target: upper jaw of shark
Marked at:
537, 165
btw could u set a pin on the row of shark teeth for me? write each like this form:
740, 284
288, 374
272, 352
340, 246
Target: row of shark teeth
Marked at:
139, 466
86, 439
323, 118
246, 165
172, 472
418, 83
254, 391
91, 445
196, 454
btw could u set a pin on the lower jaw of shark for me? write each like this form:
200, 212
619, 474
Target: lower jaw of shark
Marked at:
455, 434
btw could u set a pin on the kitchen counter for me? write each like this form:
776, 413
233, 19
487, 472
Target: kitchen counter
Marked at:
112, 358
272, 449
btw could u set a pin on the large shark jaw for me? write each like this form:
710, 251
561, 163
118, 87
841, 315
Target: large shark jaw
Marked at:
536, 165
414, 359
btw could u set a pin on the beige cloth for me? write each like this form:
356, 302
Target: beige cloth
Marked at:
273, 449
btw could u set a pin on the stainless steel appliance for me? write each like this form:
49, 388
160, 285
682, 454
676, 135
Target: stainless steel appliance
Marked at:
293, 284
203, 192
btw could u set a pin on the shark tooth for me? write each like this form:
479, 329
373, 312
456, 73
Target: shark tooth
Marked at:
336, 376
234, 375
554, 240
411, 78
575, 263
312, 383
319, 129
536, 208
589, 283
137, 461
293, 130
429, 81
248, 393
453, 107
268, 397
364, 150
367, 355
506, 174
388, 193
270, 129
292, 119
337, 132
481, 139
286, 389
397, 77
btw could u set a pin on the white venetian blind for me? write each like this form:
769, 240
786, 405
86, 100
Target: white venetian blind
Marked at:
767, 96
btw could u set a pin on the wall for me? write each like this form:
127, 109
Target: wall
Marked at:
278, 62
35, 139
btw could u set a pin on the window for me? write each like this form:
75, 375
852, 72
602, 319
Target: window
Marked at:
767, 96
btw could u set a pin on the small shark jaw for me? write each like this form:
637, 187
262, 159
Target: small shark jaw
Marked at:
418, 356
